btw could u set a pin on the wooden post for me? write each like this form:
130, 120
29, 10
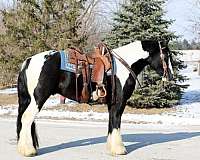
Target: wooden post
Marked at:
62, 99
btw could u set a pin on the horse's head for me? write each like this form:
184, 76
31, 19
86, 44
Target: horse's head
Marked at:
159, 57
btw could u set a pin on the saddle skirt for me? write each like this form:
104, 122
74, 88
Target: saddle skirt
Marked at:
66, 65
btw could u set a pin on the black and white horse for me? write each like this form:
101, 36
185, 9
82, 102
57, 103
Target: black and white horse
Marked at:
40, 77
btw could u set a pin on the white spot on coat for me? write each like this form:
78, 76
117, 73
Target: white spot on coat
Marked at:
131, 53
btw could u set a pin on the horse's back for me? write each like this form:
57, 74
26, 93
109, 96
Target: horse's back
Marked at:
37, 57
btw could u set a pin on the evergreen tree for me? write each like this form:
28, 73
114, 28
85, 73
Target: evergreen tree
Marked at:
186, 44
176, 45
34, 26
39, 25
194, 45
144, 20
139, 20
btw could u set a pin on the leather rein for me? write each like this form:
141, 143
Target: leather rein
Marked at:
126, 65
164, 64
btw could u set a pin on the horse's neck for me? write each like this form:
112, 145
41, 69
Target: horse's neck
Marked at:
139, 65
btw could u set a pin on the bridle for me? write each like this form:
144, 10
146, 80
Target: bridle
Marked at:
164, 65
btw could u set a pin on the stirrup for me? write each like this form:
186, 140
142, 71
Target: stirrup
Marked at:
104, 90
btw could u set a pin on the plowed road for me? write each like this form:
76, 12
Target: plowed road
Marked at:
77, 140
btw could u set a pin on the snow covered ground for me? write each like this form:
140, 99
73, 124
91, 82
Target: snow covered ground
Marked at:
187, 113
190, 102
8, 91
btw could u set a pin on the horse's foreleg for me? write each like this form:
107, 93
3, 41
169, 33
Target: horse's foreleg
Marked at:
114, 141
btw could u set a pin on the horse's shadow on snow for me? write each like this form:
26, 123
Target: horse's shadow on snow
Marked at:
137, 140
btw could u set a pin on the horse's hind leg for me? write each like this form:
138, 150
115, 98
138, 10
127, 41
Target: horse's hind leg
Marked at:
26, 133
32, 94
28, 141
114, 141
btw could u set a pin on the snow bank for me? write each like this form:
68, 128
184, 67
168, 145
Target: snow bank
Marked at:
8, 91
165, 119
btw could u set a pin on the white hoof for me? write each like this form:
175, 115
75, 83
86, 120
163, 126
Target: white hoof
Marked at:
115, 144
118, 150
26, 150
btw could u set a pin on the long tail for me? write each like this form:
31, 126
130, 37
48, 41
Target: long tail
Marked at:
24, 100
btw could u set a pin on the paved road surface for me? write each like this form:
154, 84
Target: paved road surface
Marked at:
75, 140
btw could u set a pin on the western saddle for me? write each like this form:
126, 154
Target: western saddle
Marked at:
93, 66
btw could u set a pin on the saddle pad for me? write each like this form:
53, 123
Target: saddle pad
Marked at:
66, 66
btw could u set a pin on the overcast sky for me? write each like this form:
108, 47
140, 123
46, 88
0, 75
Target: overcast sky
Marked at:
182, 11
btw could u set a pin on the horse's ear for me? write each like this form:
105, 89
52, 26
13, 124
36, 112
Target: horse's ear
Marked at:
149, 45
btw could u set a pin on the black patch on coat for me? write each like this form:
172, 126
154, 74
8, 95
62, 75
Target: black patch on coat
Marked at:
48, 79
23, 95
